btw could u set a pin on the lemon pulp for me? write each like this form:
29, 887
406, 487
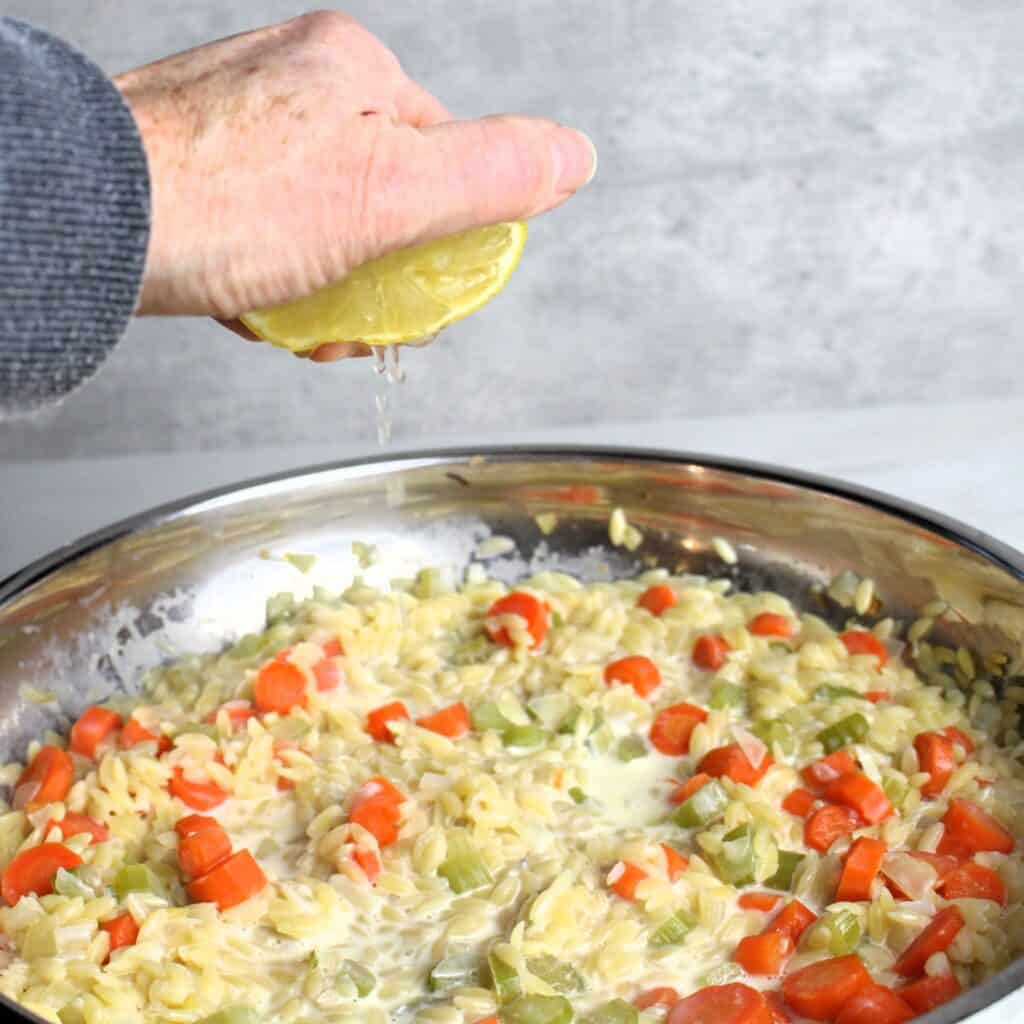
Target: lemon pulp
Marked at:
402, 297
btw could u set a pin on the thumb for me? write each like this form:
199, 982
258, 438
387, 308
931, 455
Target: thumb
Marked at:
464, 174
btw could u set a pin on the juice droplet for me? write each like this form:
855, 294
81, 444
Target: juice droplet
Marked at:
387, 366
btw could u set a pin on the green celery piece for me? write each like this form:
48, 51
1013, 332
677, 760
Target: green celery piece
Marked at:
524, 736
630, 748
138, 878
67, 883
504, 978
454, 972
562, 977
844, 733
487, 716
895, 789
616, 1012
301, 562
536, 1010
734, 863
673, 930
568, 724
722, 974
463, 867
844, 932
774, 731
280, 607
362, 977
248, 646
727, 695
577, 795
827, 691
789, 861
232, 1015
707, 804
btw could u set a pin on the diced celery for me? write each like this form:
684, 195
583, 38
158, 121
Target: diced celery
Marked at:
895, 789
301, 562
844, 733
827, 691
562, 977
249, 646
138, 878
524, 736
433, 582
707, 804
774, 732
232, 1015
536, 1010
673, 929
734, 863
616, 1012
571, 720
844, 932
463, 867
789, 861
454, 972
362, 977
504, 978
280, 607
722, 974
487, 716
727, 695
67, 883
577, 795
630, 748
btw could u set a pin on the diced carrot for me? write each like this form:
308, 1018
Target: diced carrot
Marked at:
528, 608
732, 762
231, 882
202, 851
488, 1020
73, 824
657, 599
326, 670
369, 863
777, 1007
975, 828
734, 1003
200, 796
792, 921
973, 881
452, 721
709, 652
670, 732
860, 641
133, 734
123, 931
379, 790
375, 807
377, 721
772, 624
92, 729
656, 997
828, 823
763, 954
238, 711
959, 738
280, 686
937, 937
624, 878
875, 1004
821, 989
33, 870
930, 991
935, 755
675, 862
860, 869
689, 787
45, 781
193, 823
829, 768
637, 671
877, 696
765, 902
800, 802
864, 795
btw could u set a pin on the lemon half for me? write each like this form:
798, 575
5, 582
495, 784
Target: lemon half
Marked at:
402, 297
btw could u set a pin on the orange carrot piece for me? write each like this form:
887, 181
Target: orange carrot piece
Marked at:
763, 954
637, 671
670, 732
200, 796
877, 696
865, 796
689, 787
133, 734
231, 882
675, 862
829, 768
975, 828
624, 878
860, 869
452, 721
375, 807
193, 823
377, 721
732, 762
792, 921
937, 937
123, 931
734, 1003
828, 823
663, 996
765, 902
930, 991
369, 864
935, 755
527, 607
45, 781
772, 624
777, 1006
800, 802
33, 870
202, 851
709, 652
326, 670
876, 1004
657, 599
280, 686
973, 881
92, 729
73, 824
860, 641
821, 989
959, 738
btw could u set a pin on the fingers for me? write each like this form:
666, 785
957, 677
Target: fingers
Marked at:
329, 352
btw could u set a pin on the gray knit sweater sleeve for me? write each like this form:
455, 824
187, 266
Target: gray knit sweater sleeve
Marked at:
74, 217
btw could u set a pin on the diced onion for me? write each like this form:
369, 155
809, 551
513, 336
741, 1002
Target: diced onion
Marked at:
914, 877
751, 746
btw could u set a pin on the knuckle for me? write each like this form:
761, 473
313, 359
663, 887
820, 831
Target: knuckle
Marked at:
324, 25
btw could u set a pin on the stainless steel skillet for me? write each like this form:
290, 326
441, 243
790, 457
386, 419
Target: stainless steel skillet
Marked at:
91, 618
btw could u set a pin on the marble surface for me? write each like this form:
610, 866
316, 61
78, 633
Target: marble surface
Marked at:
801, 204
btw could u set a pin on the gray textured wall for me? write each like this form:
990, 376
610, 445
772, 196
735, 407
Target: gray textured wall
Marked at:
800, 204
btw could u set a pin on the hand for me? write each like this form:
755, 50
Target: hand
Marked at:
281, 159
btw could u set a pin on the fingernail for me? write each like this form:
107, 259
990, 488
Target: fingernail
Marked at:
577, 160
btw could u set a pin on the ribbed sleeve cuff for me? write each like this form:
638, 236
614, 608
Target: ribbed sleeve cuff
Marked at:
74, 217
